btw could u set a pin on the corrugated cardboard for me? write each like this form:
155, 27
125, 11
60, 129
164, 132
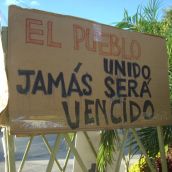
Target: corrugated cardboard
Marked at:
67, 73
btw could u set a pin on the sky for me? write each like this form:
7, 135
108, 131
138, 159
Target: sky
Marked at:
103, 11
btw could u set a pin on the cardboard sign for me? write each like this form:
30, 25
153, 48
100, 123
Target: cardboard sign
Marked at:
67, 73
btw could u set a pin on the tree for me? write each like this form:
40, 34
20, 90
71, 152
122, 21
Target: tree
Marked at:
144, 20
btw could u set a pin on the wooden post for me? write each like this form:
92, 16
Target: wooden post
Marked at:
10, 151
162, 149
121, 151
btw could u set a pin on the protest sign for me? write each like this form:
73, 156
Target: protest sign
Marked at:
67, 74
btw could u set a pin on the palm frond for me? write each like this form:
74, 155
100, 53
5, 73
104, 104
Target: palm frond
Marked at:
151, 10
108, 143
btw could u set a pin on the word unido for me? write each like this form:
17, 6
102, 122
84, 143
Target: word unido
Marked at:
126, 69
131, 111
35, 82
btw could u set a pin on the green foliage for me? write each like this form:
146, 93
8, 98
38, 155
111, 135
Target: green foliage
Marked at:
144, 20
168, 34
142, 166
139, 166
151, 10
149, 139
109, 141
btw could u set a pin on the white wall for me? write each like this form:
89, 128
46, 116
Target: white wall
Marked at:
87, 155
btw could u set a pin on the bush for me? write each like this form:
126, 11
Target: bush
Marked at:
142, 166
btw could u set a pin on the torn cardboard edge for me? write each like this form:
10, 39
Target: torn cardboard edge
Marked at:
95, 23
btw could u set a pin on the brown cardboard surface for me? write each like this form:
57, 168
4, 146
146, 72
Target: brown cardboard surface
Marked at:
67, 73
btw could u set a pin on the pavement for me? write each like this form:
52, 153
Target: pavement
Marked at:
39, 166
38, 155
